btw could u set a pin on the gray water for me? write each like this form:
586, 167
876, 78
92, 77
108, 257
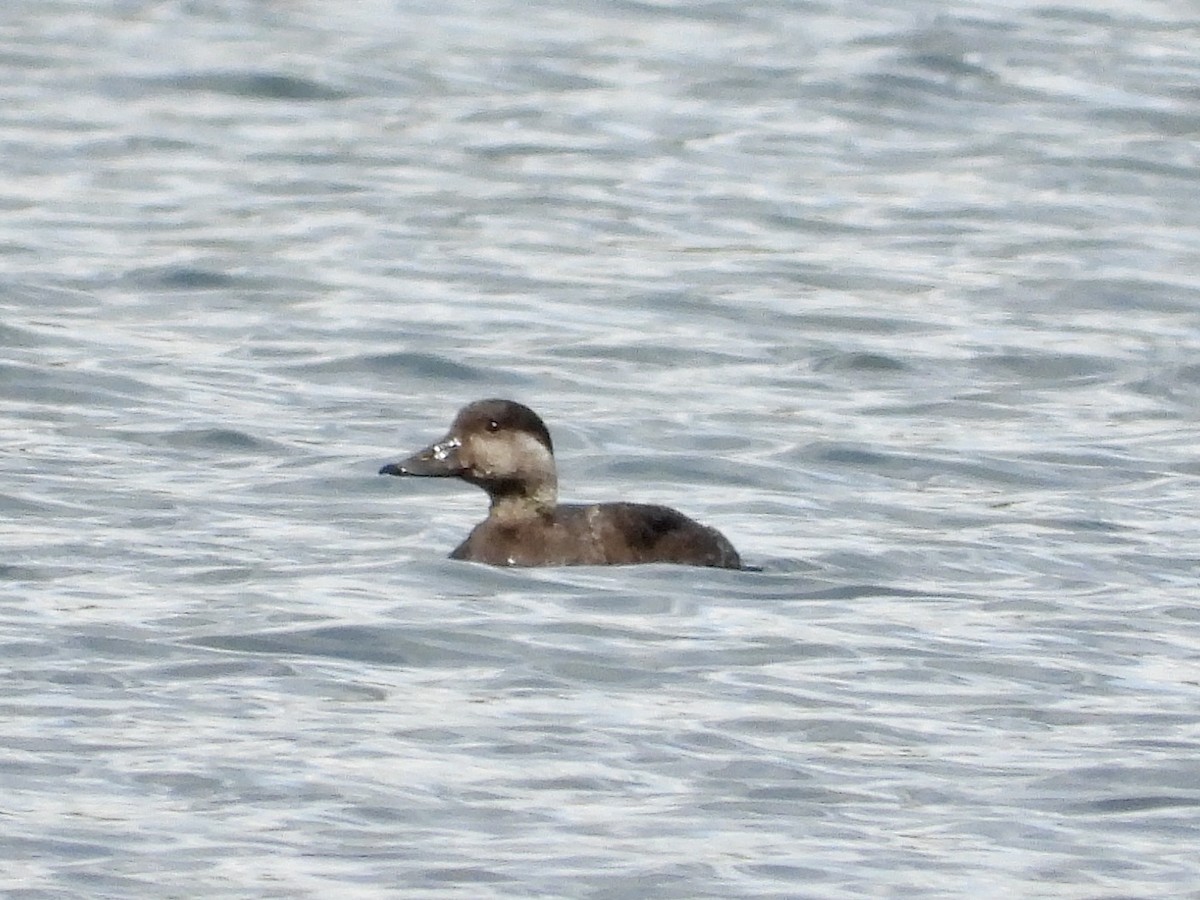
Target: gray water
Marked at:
903, 298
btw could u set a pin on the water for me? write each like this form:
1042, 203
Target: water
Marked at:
901, 298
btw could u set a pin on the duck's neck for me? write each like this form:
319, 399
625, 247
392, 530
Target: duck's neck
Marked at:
526, 504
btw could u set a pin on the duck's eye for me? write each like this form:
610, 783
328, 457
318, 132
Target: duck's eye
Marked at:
493, 425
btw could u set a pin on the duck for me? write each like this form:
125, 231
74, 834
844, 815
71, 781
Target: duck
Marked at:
505, 448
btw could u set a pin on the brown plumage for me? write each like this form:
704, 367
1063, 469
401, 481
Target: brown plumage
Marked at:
505, 448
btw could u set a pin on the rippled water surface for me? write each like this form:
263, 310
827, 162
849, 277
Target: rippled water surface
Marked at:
902, 298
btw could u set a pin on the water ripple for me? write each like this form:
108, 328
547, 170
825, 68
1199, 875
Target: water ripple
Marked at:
899, 297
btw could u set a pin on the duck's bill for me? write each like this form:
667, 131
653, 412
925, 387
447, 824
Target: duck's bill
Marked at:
438, 460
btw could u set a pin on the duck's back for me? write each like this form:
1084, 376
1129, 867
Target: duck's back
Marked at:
600, 534
641, 533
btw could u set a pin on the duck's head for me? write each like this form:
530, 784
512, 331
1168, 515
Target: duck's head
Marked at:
500, 445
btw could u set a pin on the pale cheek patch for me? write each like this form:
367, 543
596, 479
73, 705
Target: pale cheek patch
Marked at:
513, 455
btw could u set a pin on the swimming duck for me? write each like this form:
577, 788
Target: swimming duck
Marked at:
504, 447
